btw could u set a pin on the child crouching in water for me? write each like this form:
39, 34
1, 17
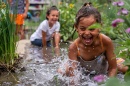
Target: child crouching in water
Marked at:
93, 50
47, 30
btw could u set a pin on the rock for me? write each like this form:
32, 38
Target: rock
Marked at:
21, 46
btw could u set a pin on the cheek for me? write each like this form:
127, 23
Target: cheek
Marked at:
96, 31
80, 33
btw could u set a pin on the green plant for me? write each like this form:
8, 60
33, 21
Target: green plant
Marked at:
111, 82
67, 18
7, 36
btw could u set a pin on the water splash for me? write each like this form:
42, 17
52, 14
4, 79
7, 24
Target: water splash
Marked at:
43, 72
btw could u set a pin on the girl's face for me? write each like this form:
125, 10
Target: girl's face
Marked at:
53, 17
87, 35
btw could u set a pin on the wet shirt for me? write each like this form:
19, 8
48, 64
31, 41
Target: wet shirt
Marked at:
17, 6
97, 66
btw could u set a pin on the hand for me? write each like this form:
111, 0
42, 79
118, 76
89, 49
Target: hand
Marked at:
45, 56
57, 51
24, 15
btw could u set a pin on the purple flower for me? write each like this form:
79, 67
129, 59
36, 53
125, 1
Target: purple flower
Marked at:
116, 22
119, 3
99, 78
127, 30
114, 3
122, 11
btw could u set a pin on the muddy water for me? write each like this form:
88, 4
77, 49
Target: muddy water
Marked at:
40, 71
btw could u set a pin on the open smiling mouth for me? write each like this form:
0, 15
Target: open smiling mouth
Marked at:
88, 40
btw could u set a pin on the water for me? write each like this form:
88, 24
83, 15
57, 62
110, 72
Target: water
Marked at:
40, 71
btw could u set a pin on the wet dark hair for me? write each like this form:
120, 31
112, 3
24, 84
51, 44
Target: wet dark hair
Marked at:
50, 9
85, 11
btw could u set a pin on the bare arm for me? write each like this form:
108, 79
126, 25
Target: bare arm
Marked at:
57, 39
26, 8
112, 70
44, 39
44, 44
9, 1
72, 53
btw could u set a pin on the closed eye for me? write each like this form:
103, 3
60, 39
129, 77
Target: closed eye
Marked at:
83, 29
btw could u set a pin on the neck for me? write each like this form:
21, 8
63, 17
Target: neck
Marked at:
50, 24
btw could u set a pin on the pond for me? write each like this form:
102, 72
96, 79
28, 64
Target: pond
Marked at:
35, 70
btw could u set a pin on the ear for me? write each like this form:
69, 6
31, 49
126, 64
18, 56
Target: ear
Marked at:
47, 16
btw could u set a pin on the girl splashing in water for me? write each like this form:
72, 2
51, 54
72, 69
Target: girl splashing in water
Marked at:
93, 50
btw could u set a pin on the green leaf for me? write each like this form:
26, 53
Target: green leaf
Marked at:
127, 76
111, 82
127, 62
95, 26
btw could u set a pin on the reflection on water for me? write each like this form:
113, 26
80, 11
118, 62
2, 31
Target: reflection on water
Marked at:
41, 72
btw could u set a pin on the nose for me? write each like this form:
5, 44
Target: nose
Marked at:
87, 32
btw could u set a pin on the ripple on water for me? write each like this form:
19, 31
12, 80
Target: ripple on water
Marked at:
41, 72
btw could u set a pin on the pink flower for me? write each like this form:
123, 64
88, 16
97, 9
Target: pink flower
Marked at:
116, 22
127, 30
119, 3
99, 78
122, 11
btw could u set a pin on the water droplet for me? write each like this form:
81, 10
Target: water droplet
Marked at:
61, 40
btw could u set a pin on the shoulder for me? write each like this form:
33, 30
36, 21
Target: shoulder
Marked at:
106, 40
72, 46
44, 23
57, 23
105, 37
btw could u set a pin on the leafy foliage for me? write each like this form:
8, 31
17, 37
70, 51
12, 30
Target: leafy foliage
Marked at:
112, 80
67, 18
7, 36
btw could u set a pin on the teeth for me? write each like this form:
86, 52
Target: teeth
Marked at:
88, 40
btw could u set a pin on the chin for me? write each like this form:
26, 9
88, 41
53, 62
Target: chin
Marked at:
88, 44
